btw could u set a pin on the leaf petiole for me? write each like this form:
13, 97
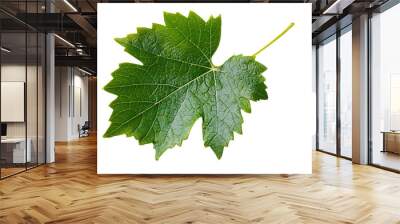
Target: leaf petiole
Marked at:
275, 39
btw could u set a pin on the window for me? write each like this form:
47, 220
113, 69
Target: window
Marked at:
346, 92
385, 89
327, 96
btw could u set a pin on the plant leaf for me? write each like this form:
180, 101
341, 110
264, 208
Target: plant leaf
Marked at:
159, 101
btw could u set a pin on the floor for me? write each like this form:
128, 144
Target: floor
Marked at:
387, 159
5, 172
70, 191
10, 171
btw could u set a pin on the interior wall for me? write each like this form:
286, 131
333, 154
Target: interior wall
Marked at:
15, 72
62, 81
92, 88
80, 109
71, 102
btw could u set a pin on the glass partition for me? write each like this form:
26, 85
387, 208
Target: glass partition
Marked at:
13, 94
327, 95
41, 97
385, 89
346, 93
22, 77
32, 96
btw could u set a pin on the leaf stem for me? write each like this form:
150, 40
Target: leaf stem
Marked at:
275, 39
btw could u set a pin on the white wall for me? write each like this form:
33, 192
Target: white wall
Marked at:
70, 83
62, 83
79, 117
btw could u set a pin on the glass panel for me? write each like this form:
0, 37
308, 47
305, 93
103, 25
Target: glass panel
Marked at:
346, 94
386, 89
13, 86
327, 96
22, 90
41, 99
314, 88
31, 98
32, 89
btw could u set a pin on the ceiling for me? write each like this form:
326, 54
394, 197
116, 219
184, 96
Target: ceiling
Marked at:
75, 21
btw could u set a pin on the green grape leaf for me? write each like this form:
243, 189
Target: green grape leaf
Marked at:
159, 100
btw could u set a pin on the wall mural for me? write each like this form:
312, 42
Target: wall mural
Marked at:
176, 81
184, 84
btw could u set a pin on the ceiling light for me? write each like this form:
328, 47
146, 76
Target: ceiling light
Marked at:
70, 5
80, 51
64, 40
338, 6
84, 71
5, 50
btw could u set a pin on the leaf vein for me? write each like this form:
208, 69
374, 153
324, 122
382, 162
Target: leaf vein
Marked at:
161, 100
143, 84
193, 44
172, 59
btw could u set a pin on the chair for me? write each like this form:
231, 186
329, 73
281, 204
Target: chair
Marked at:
84, 130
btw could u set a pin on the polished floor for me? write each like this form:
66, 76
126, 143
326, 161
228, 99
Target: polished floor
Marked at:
387, 159
70, 191
9, 171
5, 172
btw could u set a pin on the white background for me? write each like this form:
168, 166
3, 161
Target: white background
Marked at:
277, 135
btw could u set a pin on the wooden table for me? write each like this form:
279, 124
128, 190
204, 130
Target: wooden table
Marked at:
391, 141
